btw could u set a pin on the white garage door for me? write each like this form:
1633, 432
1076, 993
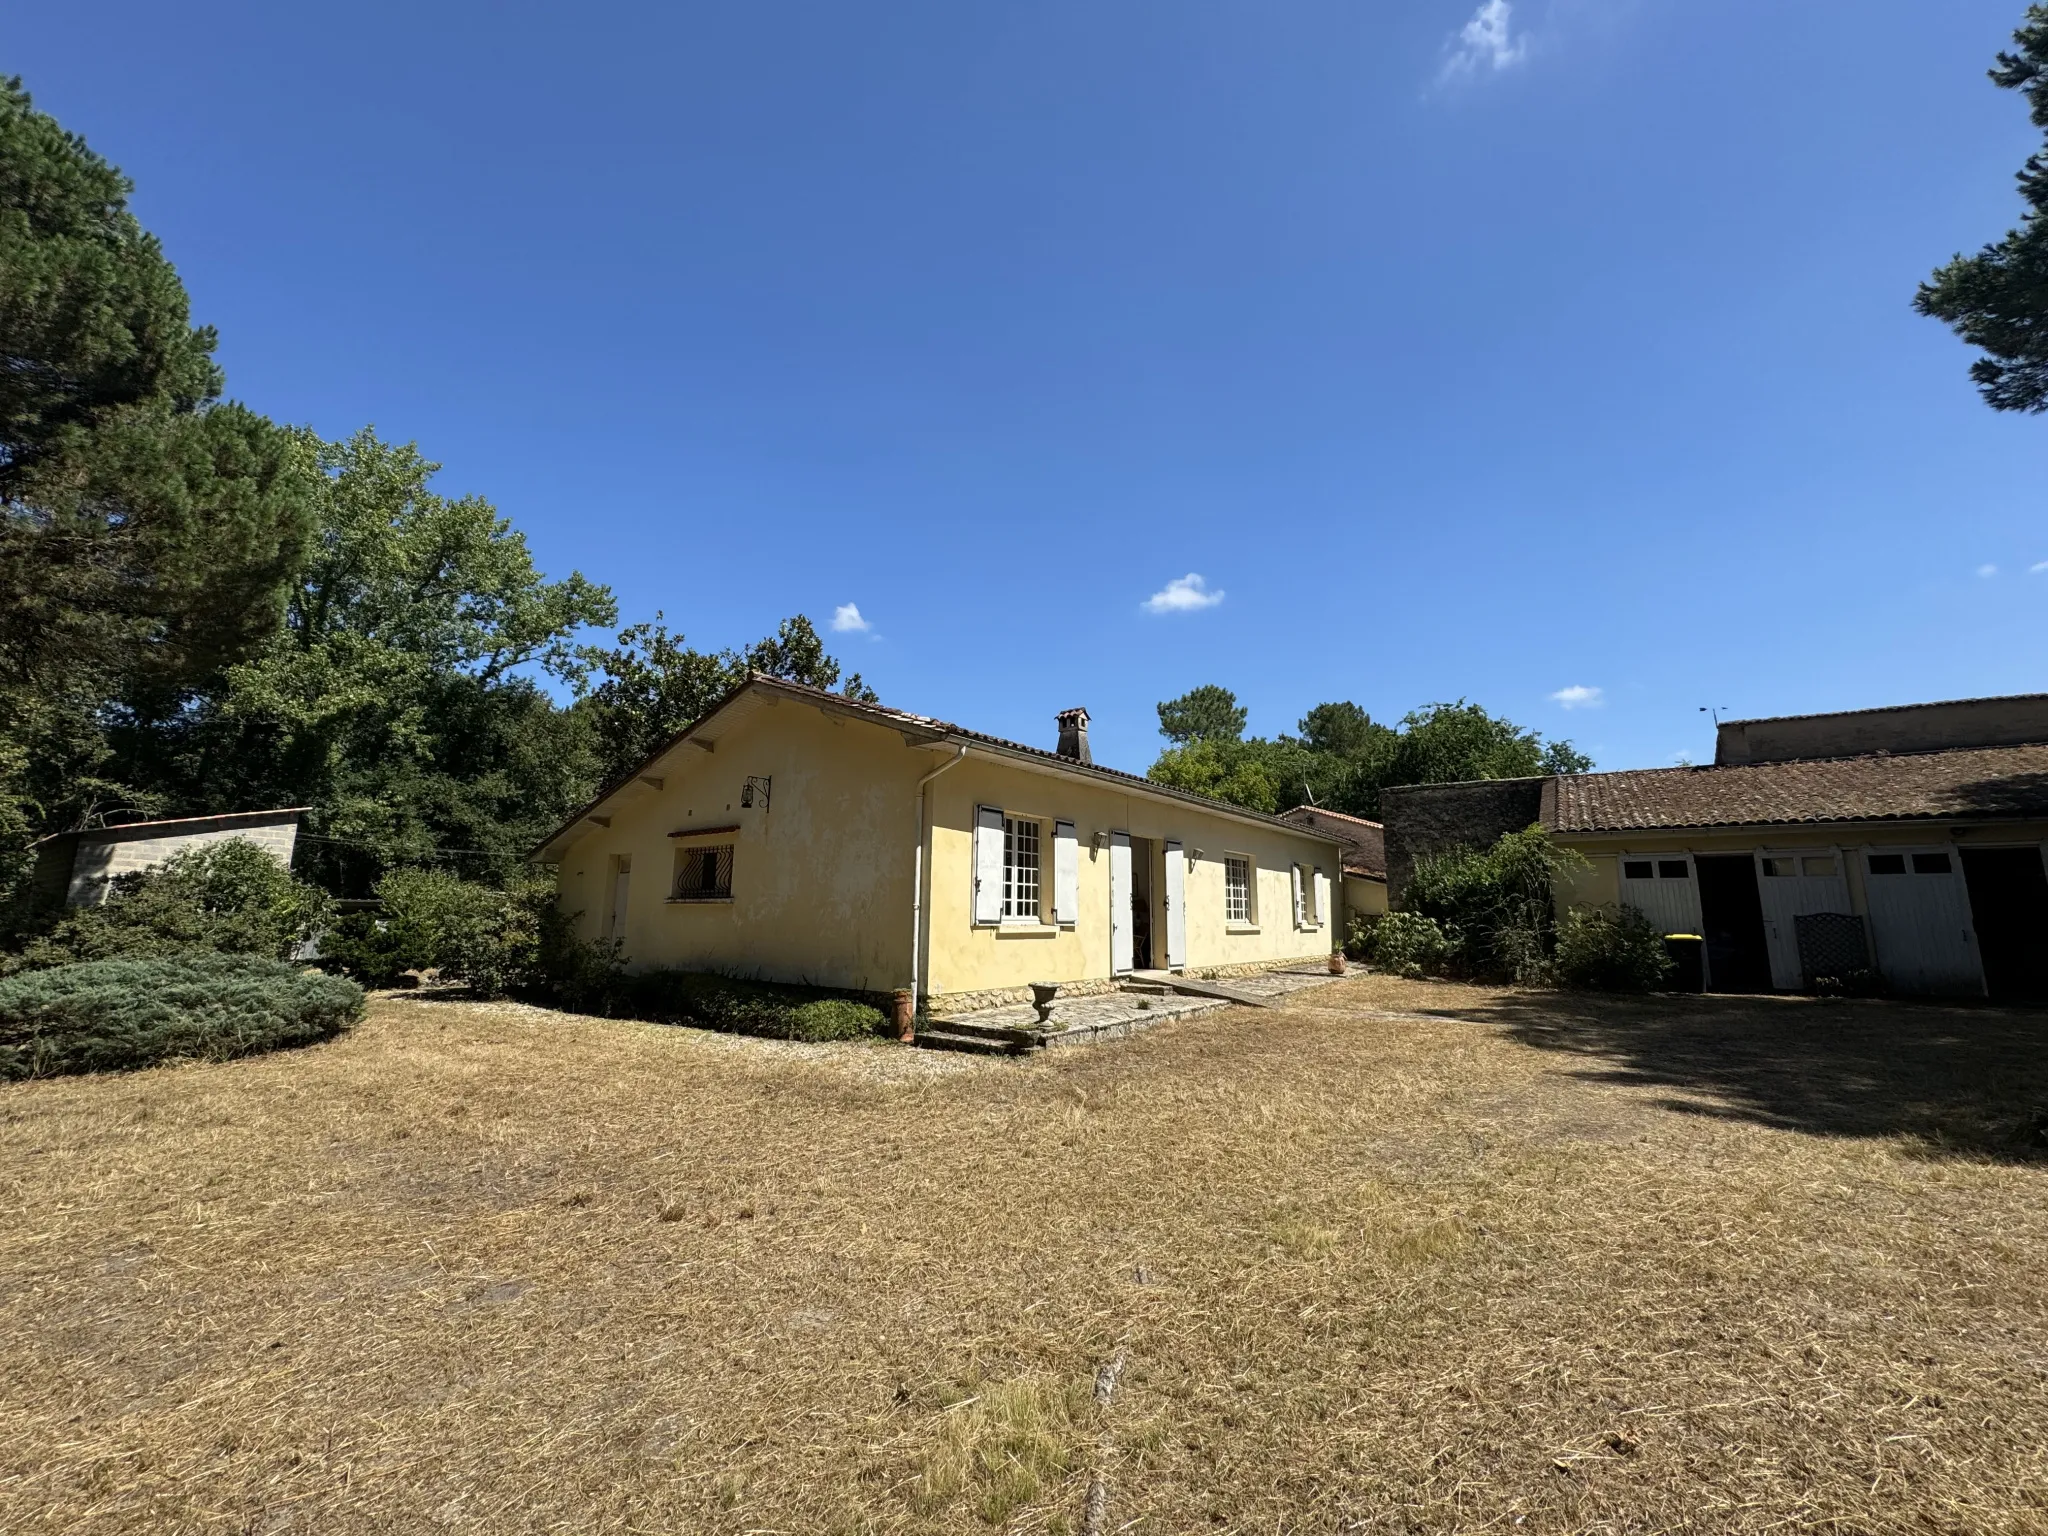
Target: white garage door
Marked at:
1793, 885
1920, 920
1662, 888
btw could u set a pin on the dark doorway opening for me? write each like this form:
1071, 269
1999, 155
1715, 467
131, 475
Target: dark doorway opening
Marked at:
2009, 908
1141, 903
1732, 915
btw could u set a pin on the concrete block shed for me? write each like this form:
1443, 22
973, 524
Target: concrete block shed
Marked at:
78, 869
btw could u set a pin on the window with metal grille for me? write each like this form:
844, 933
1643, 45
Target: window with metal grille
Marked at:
1020, 868
704, 874
1237, 888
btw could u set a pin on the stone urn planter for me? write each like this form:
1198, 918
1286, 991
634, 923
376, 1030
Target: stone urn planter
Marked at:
1042, 994
1336, 962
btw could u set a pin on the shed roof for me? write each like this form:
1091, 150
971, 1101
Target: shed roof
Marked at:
1970, 783
179, 826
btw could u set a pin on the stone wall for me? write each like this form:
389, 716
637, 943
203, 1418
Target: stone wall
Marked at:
2008, 722
1426, 819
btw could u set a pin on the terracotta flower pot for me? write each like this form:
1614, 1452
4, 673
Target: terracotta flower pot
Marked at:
903, 1014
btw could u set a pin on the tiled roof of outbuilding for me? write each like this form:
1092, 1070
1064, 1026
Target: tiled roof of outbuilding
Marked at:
1365, 842
1978, 783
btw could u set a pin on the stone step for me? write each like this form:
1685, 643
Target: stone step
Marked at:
932, 1039
1009, 1034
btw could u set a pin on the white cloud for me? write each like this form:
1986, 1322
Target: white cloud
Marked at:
1987, 570
2038, 568
1579, 696
846, 620
1184, 594
1486, 42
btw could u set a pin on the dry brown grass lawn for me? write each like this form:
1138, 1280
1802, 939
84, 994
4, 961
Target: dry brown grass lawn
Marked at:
1544, 1266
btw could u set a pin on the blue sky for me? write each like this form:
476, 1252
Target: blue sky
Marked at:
1553, 345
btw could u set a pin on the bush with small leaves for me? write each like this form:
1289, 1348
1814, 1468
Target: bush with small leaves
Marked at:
111, 1015
1409, 944
1612, 949
228, 897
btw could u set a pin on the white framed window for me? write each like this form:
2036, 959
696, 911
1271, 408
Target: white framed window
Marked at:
1021, 868
1237, 888
703, 873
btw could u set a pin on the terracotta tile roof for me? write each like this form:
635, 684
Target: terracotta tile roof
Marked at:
1365, 842
1976, 783
926, 726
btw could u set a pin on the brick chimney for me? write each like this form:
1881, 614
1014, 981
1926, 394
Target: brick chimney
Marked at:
1074, 735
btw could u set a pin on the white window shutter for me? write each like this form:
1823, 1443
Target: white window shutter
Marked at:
1322, 898
988, 864
1296, 873
1066, 874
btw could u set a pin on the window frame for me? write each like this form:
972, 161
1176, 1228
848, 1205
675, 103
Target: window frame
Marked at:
1011, 913
1249, 917
718, 854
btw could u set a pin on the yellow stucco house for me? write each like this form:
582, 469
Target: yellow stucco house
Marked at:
796, 835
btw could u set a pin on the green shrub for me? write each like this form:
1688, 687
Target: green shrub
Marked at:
228, 898
1409, 944
740, 1007
497, 939
1494, 906
1612, 949
110, 1015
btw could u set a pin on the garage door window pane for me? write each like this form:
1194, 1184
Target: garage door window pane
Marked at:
1930, 864
1671, 869
1820, 866
1777, 869
1638, 869
1887, 863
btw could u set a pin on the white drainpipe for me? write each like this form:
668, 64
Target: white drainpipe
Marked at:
917, 873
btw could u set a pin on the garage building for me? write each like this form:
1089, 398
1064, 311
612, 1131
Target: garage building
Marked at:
1908, 842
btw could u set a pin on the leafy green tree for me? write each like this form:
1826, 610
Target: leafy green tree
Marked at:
1344, 730
1447, 743
649, 685
398, 699
1342, 757
1219, 770
1207, 713
146, 529
1997, 300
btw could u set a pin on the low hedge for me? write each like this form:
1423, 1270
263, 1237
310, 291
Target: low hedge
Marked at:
111, 1015
740, 1007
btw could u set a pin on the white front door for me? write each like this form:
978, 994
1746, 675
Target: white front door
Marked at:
1120, 950
1920, 920
1792, 886
1176, 908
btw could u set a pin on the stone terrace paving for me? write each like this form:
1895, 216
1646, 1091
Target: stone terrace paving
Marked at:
1109, 1015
